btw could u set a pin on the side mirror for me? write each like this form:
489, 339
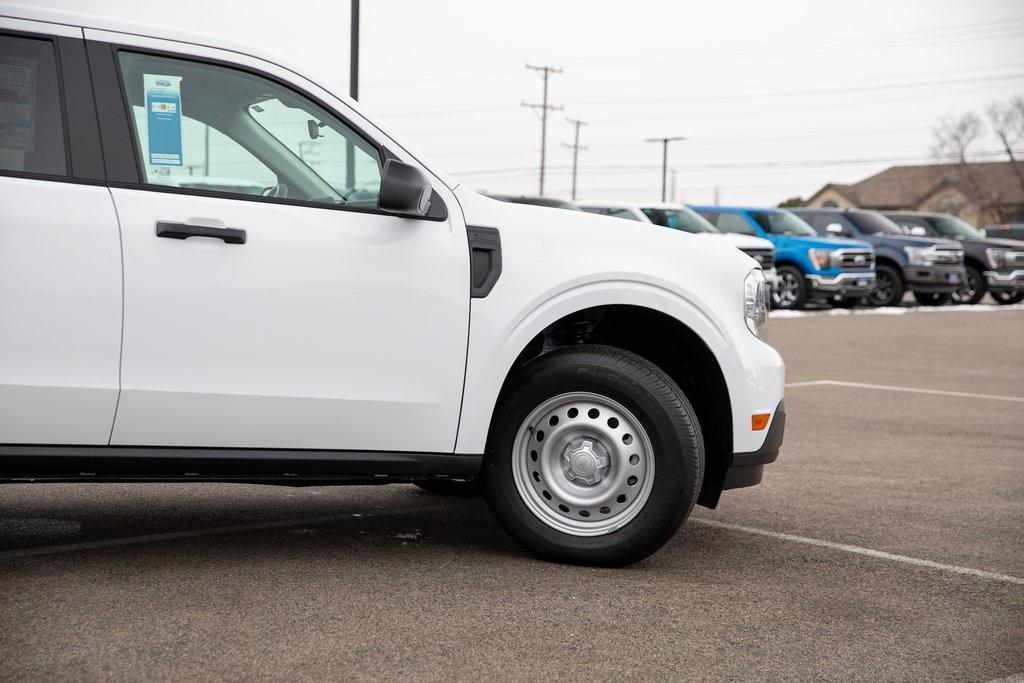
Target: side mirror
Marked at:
834, 229
918, 231
404, 189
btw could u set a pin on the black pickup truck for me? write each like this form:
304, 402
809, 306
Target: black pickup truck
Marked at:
993, 265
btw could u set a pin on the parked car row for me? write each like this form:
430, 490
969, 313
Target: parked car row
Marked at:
847, 257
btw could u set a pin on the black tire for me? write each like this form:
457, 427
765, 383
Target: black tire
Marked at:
889, 287
450, 487
1008, 297
654, 400
972, 289
933, 298
790, 290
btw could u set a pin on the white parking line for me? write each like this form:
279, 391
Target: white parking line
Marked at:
1014, 678
862, 551
912, 390
169, 536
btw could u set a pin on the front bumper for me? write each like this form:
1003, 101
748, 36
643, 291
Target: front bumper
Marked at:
844, 284
746, 469
933, 279
1006, 280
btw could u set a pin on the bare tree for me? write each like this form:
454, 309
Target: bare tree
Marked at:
955, 139
955, 136
1007, 121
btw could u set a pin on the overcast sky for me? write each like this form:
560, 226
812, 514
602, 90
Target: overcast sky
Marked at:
775, 98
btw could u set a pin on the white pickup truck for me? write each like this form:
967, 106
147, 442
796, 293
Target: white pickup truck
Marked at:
340, 310
685, 219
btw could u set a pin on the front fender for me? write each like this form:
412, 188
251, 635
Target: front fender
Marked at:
556, 263
496, 342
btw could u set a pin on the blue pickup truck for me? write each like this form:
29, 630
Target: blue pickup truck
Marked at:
840, 271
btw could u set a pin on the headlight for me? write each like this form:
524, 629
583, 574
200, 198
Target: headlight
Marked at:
997, 258
920, 256
756, 294
820, 258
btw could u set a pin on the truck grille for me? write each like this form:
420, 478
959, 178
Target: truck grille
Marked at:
945, 256
854, 259
764, 257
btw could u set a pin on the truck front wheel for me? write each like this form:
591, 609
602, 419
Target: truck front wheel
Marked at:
790, 291
889, 287
972, 289
1008, 297
595, 456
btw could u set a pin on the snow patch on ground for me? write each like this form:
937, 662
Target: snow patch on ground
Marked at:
895, 310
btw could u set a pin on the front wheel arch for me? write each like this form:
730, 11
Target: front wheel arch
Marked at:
672, 346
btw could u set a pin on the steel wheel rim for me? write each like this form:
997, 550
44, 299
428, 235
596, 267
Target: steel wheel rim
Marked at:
557, 466
785, 293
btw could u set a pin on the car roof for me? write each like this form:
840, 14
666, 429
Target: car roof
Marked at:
610, 204
715, 207
927, 214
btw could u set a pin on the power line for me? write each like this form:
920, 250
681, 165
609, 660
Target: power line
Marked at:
575, 147
646, 168
544, 108
975, 30
711, 96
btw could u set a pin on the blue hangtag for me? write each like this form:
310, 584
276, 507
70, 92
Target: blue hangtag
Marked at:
163, 116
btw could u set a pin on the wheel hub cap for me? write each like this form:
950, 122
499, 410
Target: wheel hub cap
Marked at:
585, 462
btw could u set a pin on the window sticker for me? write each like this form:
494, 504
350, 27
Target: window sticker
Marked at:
163, 119
17, 102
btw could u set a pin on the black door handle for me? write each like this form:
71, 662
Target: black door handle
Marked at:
182, 231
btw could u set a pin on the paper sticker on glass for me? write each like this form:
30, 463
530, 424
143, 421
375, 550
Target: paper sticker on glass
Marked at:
163, 119
17, 102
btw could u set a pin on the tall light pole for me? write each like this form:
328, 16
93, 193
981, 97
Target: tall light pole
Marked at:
664, 159
353, 73
544, 107
353, 92
575, 147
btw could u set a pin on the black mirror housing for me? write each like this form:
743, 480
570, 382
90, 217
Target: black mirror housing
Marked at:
404, 189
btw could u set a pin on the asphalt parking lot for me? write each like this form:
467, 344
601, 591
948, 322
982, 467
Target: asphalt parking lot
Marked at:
887, 543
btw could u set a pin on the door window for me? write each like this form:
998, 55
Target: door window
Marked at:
823, 221
733, 222
912, 225
218, 129
31, 124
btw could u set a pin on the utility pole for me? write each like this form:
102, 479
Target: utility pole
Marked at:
664, 159
716, 195
675, 185
544, 107
353, 92
353, 66
575, 147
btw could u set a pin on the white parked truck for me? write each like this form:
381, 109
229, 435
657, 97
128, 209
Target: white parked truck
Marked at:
682, 217
363, 318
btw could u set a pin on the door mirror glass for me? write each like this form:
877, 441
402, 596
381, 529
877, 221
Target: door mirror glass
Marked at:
404, 189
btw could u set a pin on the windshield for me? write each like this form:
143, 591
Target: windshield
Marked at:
680, 218
782, 223
951, 226
874, 223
